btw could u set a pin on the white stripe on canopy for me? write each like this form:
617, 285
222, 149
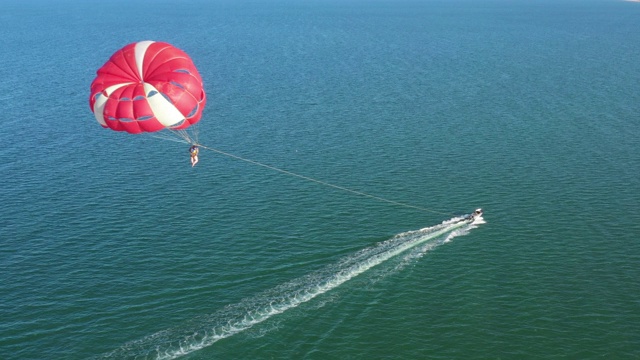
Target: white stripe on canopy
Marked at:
98, 106
166, 113
141, 50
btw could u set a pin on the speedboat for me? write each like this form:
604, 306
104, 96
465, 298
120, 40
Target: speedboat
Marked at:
474, 215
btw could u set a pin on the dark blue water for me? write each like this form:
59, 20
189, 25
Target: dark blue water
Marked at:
112, 246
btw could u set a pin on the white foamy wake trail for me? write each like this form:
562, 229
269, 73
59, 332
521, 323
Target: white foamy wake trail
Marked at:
205, 331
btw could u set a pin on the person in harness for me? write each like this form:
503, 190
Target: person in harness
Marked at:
193, 150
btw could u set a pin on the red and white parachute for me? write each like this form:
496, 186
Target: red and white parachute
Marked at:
147, 86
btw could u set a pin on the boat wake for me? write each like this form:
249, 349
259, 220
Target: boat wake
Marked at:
204, 331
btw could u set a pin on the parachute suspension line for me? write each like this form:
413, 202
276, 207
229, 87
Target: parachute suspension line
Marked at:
196, 133
185, 136
182, 134
189, 135
168, 137
322, 182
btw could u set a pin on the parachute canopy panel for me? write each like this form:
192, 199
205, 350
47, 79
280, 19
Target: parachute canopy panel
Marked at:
147, 86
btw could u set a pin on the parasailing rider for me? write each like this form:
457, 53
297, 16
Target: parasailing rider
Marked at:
193, 150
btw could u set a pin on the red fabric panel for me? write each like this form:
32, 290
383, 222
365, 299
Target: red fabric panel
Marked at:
127, 109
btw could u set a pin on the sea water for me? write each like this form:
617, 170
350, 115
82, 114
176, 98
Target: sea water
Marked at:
112, 246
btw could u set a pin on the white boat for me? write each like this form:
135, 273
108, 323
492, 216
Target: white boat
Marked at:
474, 215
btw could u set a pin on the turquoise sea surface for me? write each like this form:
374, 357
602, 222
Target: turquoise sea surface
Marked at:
113, 247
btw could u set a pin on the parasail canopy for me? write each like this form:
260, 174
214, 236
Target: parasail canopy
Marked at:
147, 86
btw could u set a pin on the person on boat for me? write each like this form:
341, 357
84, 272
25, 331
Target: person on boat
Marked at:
473, 215
193, 150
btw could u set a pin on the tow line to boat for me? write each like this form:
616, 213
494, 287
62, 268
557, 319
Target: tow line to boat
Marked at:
290, 173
